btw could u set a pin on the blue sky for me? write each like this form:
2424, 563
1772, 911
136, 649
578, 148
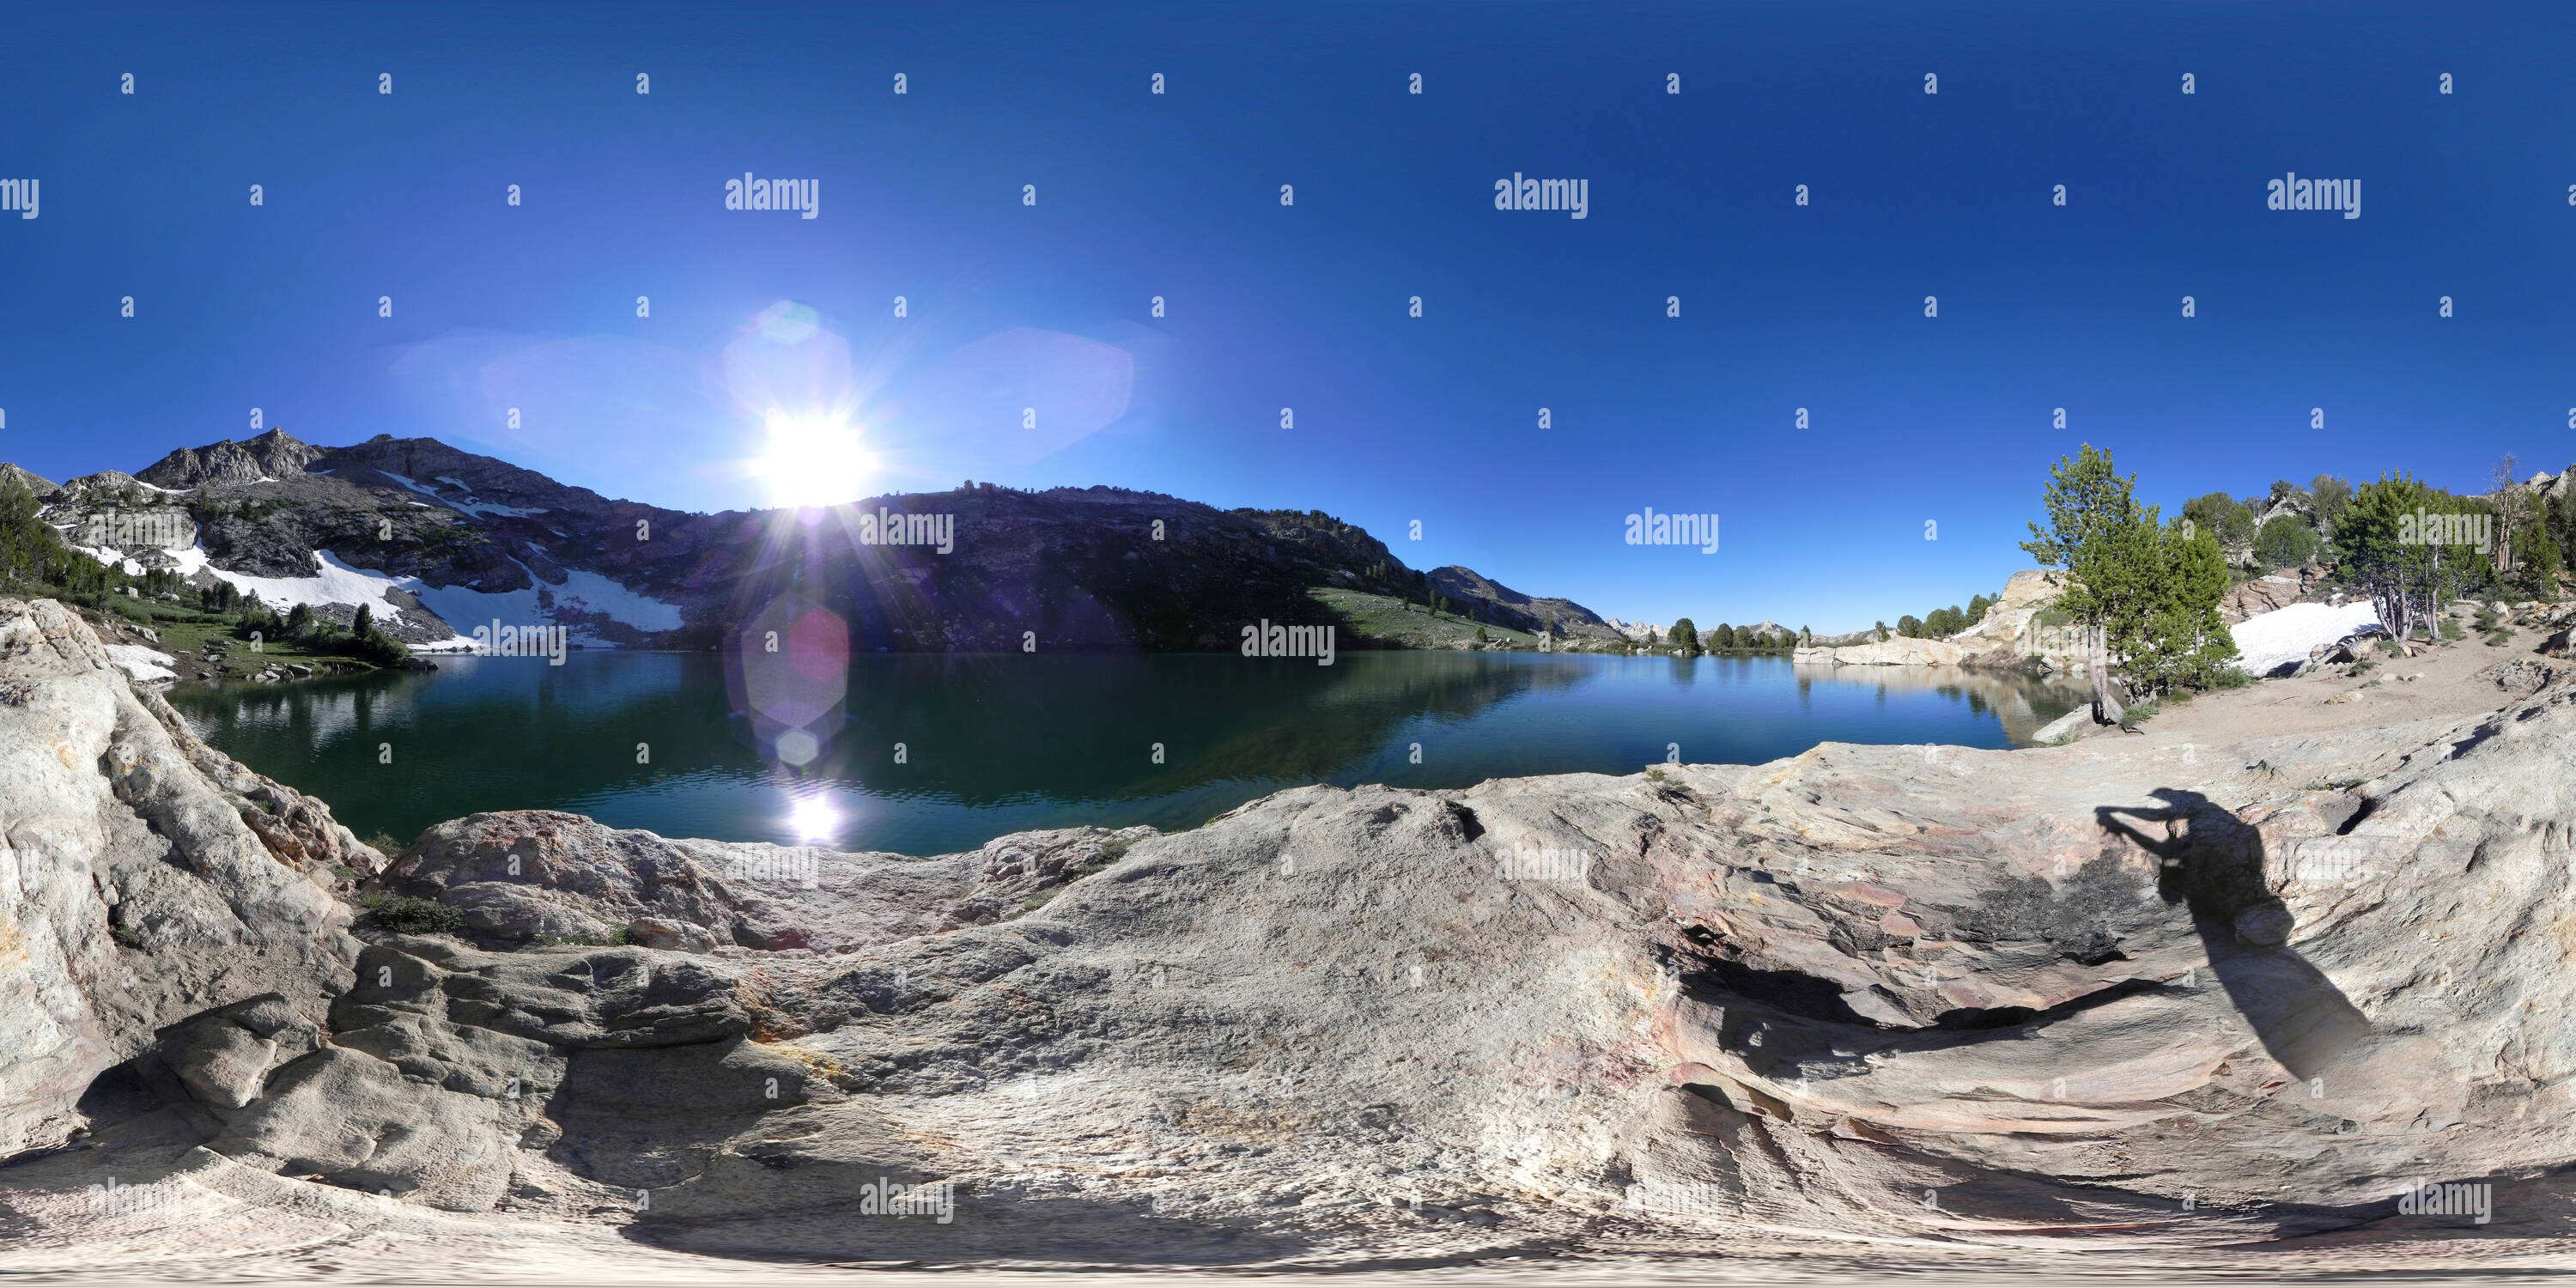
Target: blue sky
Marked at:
368, 195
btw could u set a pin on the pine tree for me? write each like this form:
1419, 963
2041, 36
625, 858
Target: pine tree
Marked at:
2144, 594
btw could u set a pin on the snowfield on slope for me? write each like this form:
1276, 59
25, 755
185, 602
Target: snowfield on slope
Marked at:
468, 506
461, 608
2283, 636
335, 583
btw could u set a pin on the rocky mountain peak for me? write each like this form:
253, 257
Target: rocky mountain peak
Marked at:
273, 455
33, 482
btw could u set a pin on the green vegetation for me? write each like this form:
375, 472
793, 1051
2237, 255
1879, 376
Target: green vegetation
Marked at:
305, 631
36, 563
2229, 520
2331, 494
410, 915
2145, 592
618, 937
1728, 639
2385, 549
2491, 624
2286, 543
1384, 621
1942, 623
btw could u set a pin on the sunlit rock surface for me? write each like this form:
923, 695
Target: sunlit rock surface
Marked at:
2122, 1003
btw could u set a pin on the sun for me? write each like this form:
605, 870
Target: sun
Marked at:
813, 461
813, 819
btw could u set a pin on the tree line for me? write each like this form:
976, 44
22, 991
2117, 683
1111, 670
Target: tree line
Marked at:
2145, 592
1685, 636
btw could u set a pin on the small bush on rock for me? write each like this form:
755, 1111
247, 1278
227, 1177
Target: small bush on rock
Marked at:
408, 915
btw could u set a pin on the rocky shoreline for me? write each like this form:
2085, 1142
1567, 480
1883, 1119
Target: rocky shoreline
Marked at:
2206, 997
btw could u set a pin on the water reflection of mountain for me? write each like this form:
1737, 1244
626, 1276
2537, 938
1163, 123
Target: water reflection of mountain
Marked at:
977, 730
1349, 718
2021, 701
994, 743
1087, 726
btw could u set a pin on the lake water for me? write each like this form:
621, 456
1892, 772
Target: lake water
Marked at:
1003, 743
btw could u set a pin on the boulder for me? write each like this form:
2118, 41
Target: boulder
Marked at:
2010, 635
1895, 650
134, 892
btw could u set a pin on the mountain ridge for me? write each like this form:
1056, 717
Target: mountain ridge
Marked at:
441, 537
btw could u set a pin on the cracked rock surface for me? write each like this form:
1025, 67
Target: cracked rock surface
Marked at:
2135, 997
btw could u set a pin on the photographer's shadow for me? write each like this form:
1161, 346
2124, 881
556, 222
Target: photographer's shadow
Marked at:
2211, 862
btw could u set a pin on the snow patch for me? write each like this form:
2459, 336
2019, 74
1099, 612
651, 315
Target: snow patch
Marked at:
145, 665
465, 608
335, 583
468, 506
109, 555
479, 509
2267, 641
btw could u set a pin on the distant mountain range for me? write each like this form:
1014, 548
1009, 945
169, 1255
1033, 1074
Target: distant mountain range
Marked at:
439, 540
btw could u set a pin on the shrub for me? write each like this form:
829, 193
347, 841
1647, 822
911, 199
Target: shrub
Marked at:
2331, 494
2285, 542
2222, 516
408, 915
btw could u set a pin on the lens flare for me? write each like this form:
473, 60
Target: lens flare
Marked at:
814, 819
813, 461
